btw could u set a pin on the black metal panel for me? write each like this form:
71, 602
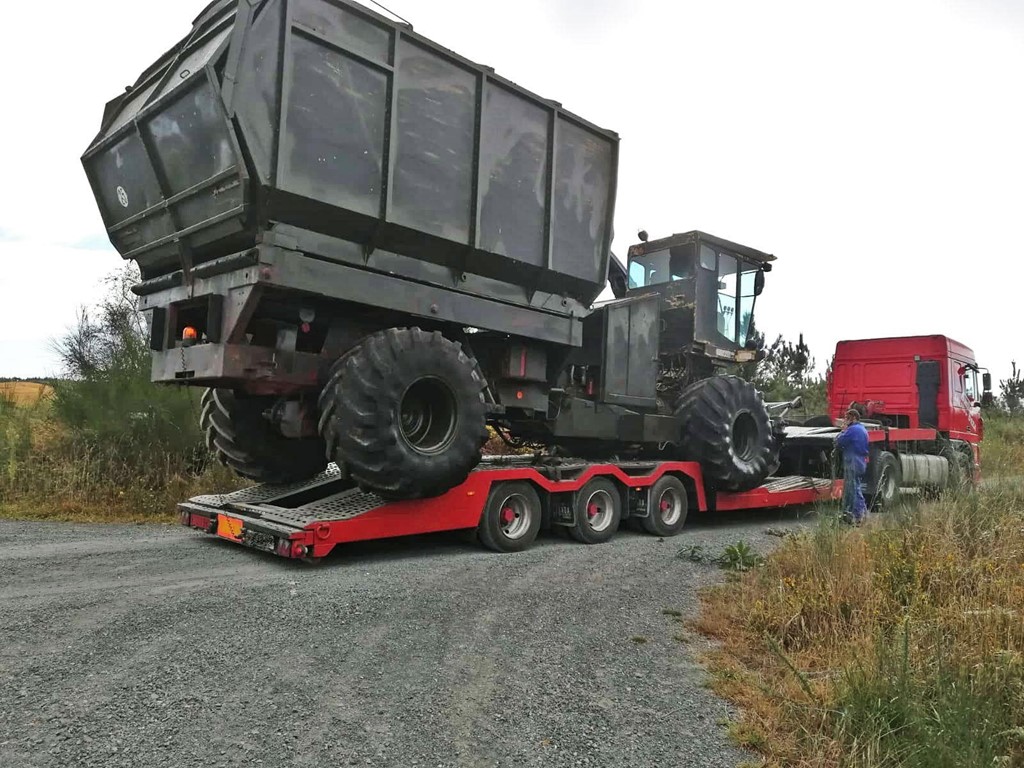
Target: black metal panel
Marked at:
435, 144
928, 393
333, 148
255, 98
584, 172
346, 28
629, 366
513, 176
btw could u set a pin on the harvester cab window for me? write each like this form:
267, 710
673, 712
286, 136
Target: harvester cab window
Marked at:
727, 284
660, 267
748, 295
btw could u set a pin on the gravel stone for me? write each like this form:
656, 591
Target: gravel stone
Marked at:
156, 646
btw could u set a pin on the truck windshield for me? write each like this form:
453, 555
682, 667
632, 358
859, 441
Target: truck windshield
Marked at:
660, 267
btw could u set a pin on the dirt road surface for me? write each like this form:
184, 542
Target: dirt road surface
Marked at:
154, 646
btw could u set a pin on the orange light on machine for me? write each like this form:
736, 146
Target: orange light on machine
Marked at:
189, 334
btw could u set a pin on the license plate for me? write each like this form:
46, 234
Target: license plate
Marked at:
229, 528
258, 540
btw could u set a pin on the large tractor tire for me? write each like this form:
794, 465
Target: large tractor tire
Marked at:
404, 412
726, 428
241, 437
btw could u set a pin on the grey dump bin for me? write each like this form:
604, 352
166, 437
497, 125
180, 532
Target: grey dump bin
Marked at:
322, 115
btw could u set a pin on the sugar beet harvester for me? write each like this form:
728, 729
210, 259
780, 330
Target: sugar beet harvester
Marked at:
367, 248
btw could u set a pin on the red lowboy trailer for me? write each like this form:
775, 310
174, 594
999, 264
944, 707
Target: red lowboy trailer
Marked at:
507, 501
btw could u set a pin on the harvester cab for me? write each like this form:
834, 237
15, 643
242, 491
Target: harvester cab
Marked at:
708, 288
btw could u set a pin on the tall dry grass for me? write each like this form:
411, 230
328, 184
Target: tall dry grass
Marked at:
901, 644
108, 448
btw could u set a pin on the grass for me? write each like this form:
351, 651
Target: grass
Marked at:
899, 644
52, 471
24, 393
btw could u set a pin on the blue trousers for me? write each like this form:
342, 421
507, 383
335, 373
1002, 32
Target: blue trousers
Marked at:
854, 505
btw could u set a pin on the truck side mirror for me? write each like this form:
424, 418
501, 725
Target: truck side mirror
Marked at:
759, 282
986, 382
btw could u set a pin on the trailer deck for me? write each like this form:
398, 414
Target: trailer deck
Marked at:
306, 521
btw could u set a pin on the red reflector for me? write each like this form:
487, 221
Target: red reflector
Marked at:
519, 395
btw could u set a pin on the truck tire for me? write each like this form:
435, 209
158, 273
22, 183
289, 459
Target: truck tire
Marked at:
726, 428
404, 412
241, 438
512, 517
666, 509
961, 463
886, 481
598, 511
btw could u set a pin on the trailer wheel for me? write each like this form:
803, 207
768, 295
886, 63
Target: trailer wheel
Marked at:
405, 413
241, 438
598, 511
726, 428
887, 481
512, 517
666, 508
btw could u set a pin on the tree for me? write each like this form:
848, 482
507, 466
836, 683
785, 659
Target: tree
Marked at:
1011, 390
107, 402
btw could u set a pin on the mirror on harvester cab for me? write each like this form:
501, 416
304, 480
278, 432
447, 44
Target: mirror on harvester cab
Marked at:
759, 282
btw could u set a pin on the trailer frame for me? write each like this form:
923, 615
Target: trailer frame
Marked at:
307, 520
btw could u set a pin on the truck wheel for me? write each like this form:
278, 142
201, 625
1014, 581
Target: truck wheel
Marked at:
887, 480
960, 474
598, 510
241, 438
726, 428
512, 517
666, 508
406, 414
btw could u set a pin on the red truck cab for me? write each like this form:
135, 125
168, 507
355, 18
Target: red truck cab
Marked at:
912, 382
920, 399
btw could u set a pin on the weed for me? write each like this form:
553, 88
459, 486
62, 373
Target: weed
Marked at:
639, 639
739, 557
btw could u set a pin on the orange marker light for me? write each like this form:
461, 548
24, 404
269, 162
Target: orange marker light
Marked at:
189, 334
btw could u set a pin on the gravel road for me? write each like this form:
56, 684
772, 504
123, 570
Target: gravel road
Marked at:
154, 646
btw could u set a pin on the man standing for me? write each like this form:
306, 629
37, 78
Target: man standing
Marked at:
853, 442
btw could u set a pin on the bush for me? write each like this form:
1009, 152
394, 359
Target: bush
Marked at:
108, 443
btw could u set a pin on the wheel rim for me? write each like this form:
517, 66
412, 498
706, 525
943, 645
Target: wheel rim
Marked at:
600, 510
516, 515
889, 488
744, 436
670, 506
428, 416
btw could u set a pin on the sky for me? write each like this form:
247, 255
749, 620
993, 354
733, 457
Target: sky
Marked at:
876, 148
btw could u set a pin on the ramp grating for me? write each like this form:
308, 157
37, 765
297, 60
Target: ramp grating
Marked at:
264, 494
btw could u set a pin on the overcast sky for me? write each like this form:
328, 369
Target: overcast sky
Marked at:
876, 148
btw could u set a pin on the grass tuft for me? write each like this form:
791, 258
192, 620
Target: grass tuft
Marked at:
899, 644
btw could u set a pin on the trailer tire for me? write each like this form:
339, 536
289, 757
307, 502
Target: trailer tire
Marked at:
598, 512
666, 507
405, 413
886, 481
726, 427
242, 439
512, 517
